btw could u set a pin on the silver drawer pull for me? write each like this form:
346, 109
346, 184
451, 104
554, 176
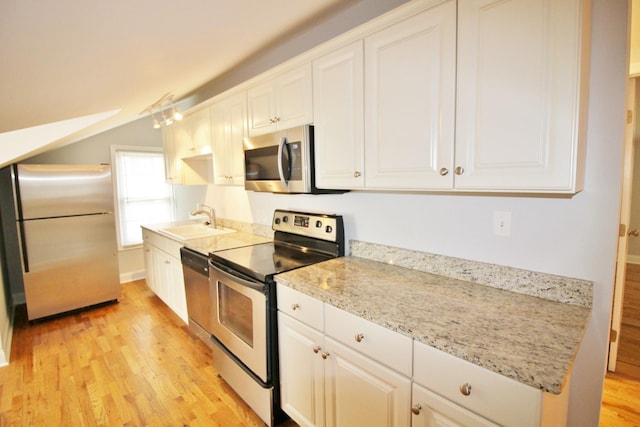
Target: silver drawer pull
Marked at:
465, 389
294, 307
359, 337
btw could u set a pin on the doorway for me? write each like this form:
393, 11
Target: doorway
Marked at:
625, 351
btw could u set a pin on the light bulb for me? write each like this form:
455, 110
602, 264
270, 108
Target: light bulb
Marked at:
177, 115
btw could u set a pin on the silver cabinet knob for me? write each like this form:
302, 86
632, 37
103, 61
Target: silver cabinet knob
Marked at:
294, 307
465, 389
444, 171
325, 355
356, 174
459, 170
316, 348
359, 337
416, 409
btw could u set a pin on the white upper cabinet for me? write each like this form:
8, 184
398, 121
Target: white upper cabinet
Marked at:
521, 102
193, 133
338, 108
229, 127
473, 95
281, 102
409, 79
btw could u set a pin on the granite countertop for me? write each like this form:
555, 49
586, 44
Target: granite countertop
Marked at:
205, 245
529, 339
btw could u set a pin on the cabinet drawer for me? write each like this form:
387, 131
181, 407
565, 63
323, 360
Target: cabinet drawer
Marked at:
152, 238
374, 341
501, 399
302, 307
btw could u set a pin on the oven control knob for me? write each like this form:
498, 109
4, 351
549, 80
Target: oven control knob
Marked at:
285, 219
328, 229
277, 221
318, 224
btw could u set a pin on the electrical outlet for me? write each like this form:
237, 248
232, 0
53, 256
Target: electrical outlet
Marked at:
502, 223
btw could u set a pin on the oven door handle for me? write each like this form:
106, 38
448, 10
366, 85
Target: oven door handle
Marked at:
284, 179
234, 276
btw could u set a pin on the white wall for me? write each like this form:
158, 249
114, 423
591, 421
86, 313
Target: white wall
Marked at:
573, 237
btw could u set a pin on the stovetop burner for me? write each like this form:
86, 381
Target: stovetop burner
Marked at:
300, 239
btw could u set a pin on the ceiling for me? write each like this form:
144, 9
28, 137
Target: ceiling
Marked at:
69, 63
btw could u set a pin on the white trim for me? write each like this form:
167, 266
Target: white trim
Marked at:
114, 181
5, 350
132, 276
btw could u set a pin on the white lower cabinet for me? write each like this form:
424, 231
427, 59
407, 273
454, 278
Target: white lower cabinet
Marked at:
362, 392
339, 370
163, 271
326, 382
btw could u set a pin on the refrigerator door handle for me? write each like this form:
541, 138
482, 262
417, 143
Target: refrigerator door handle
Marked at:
23, 245
23, 237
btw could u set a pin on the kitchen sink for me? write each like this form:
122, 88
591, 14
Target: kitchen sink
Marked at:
195, 231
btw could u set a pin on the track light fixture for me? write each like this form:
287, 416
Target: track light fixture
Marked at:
163, 112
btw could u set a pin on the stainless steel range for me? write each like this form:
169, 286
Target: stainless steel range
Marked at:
244, 310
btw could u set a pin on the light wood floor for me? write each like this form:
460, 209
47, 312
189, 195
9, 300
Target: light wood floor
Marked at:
628, 361
133, 363
621, 394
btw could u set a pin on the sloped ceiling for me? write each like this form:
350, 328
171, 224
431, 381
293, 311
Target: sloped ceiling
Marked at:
66, 60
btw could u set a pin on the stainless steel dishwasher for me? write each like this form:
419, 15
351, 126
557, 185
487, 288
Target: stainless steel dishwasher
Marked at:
195, 269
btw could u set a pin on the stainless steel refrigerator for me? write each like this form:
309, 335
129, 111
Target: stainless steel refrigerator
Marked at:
67, 237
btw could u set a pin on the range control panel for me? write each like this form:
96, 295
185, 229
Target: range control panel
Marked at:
318, 226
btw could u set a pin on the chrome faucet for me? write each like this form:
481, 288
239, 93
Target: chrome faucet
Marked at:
209, 212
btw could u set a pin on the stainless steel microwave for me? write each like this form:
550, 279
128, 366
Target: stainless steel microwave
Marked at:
281, 162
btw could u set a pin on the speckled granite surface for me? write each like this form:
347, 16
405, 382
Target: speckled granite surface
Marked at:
215, 243
529, 339
555, 288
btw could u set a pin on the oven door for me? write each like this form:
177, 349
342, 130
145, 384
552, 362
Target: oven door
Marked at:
239, 318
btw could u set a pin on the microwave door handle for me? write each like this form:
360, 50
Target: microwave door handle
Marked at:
283, 146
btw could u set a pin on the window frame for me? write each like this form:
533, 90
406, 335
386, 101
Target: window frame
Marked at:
116, 196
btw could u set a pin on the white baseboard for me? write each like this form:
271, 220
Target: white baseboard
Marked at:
7, 337
132, 276
633, 259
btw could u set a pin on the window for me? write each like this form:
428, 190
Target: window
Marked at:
142, 195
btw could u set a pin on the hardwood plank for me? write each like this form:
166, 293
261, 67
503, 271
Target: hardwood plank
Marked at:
131, 363
620, 401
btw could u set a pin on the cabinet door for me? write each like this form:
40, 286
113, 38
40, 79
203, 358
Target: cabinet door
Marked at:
362, 392
262, 108
293, 98
177, 297
149, 266
172, 160
338, 109
200, 128
519, 124
282, 102
410, 102
229, 127
431, 410
237, 109
301, 372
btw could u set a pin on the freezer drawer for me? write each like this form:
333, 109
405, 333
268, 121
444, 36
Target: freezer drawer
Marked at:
72, 263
